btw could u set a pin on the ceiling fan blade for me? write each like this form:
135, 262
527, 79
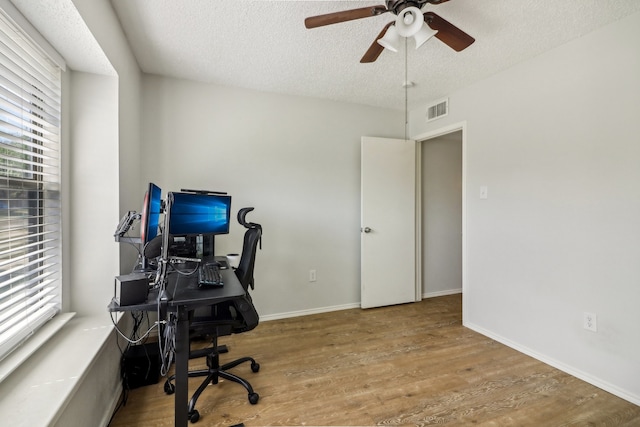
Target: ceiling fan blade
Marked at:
345, 15
376, 48
448, 33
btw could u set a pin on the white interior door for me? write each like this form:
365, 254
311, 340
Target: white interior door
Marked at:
388, 222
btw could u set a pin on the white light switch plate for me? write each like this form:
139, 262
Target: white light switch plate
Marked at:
484, 192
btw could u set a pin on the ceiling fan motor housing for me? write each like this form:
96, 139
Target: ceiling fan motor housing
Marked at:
397, 6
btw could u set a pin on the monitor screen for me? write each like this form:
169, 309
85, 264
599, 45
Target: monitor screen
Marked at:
151, 210
194, 214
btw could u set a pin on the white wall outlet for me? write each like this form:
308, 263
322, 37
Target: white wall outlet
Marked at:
590, 322
312, 276
484, 192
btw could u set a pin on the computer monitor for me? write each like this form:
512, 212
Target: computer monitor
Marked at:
199, 214
151, 210
193, 216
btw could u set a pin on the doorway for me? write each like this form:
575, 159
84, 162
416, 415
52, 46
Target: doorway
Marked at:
441, 213
441, 252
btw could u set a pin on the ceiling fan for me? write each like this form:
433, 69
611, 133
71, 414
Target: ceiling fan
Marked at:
408, 23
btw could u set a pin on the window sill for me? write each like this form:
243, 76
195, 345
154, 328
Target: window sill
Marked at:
22, 353
38, 390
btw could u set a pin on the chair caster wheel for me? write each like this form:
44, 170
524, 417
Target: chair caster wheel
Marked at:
255, 367
253, 398
194, 416
169, 388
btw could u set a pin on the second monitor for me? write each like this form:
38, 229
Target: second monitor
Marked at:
192, 215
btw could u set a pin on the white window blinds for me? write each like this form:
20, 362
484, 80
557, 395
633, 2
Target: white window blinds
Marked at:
29, 187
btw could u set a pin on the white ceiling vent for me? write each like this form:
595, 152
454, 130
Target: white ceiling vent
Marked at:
437, 110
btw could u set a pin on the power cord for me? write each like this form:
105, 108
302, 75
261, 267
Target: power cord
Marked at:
132, 340
167, 345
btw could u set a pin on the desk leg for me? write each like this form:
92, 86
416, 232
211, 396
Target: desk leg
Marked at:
182, 368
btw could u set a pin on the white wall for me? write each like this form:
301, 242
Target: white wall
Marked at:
102, 162
91, 199
441, 189
296, 160
127, 186
555, 140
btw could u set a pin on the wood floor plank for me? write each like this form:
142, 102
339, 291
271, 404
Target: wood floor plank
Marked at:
413, 364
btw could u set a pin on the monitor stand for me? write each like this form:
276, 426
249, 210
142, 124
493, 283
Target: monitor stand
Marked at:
145, 267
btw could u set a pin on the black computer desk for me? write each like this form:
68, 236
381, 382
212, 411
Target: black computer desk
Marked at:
185, 296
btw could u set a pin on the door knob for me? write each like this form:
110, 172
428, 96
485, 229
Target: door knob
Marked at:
367, 230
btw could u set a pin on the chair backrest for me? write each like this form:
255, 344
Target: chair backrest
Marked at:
252, 237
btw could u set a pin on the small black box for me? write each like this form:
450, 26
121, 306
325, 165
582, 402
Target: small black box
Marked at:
131, 289
141, 365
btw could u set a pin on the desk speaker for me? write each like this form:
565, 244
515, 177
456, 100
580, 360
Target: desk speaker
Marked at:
131, 289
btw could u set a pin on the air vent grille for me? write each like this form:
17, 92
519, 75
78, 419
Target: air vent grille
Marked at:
437, 110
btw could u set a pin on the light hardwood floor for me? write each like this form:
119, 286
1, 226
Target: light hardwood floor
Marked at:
413, 364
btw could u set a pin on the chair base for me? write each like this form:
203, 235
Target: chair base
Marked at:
196, 354
213, 374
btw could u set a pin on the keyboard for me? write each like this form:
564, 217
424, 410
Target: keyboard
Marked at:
209, 275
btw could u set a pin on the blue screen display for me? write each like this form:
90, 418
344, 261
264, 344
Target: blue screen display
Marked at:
155, 208
192, 214
151, 210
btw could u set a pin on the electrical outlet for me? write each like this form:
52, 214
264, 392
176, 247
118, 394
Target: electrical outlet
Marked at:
590, 322
312, 275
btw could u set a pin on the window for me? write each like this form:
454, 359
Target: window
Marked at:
30, 253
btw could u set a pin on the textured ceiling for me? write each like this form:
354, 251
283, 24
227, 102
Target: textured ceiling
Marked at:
263, 44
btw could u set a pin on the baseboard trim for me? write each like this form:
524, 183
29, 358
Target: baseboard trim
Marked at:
441, 293
289, 314
113, 405
299, 313
604, 385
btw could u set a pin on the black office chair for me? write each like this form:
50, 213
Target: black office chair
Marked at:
252, 237
230, 317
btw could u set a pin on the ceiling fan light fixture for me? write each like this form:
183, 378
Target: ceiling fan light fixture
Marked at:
424, 34
409, 21
390, 40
